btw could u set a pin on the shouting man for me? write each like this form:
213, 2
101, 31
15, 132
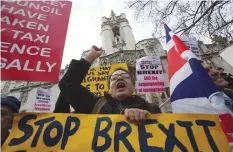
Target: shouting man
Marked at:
119, 99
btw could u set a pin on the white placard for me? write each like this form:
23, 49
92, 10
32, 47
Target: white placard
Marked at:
43, 100
192, 44
227, 55
149, 74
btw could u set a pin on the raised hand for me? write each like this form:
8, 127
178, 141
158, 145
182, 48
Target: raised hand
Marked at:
93, 54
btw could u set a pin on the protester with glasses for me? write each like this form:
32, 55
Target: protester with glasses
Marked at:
118, 100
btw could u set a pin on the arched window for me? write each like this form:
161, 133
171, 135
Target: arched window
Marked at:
116, 33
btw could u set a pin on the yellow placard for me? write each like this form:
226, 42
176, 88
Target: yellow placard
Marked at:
112, 133
97, 78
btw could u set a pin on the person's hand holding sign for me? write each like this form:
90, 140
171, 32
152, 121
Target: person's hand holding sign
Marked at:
93, 54
136, 116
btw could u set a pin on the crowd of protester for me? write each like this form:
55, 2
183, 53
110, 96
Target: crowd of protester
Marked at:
119, 99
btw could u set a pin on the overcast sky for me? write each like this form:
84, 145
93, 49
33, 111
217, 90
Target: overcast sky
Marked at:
85, 25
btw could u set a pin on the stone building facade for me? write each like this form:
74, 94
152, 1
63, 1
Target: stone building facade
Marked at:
26, 92
210, 55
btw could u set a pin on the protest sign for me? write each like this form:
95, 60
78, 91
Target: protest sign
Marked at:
82, 132
227, 55
150, 76
96, 80
43, 100
33, 37
192, 44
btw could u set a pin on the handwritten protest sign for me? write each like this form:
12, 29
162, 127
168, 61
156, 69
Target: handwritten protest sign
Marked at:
97, 78
43, 100
150, 76
81, 132
33, 36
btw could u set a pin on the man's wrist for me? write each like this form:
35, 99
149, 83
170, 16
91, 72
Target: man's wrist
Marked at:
89, 59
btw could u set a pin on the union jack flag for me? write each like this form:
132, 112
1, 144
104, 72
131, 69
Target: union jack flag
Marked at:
192, 90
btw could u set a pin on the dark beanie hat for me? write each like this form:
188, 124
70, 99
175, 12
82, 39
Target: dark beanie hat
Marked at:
12, 102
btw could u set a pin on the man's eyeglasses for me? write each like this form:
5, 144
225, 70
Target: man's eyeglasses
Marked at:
116, 76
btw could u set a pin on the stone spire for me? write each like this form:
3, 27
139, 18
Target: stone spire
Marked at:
113, 16
112, 13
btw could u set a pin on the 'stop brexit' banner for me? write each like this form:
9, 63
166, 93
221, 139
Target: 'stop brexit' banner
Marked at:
33, 37
85, 133
150, 76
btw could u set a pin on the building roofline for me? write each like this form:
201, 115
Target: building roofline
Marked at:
146, 39
120, 52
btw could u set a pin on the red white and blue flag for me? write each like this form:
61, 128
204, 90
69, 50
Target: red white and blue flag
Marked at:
191, 88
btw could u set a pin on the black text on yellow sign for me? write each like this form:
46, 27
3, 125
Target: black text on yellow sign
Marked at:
76, 132
96, 80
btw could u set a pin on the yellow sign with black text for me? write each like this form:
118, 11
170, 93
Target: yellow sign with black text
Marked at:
112, 133
96, 80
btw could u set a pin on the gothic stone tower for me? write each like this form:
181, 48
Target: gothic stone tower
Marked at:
118, 41
116, 34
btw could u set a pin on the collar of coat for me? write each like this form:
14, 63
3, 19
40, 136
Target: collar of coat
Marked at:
131, 100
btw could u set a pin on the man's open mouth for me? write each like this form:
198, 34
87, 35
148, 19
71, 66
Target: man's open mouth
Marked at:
121, 85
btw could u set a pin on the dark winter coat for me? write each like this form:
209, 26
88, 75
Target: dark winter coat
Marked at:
83, 101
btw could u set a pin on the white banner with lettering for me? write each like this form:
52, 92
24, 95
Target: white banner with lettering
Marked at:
149, 74
192, 44
43, 100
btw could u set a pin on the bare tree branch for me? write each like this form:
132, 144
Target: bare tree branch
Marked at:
131, 5
174, 4
199, 18
231, 21
142, 8
206, 12
200, 6
219, 11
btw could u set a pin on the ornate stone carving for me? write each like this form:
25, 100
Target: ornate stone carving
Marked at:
113, 16
112, 21
128, 56
103, 53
